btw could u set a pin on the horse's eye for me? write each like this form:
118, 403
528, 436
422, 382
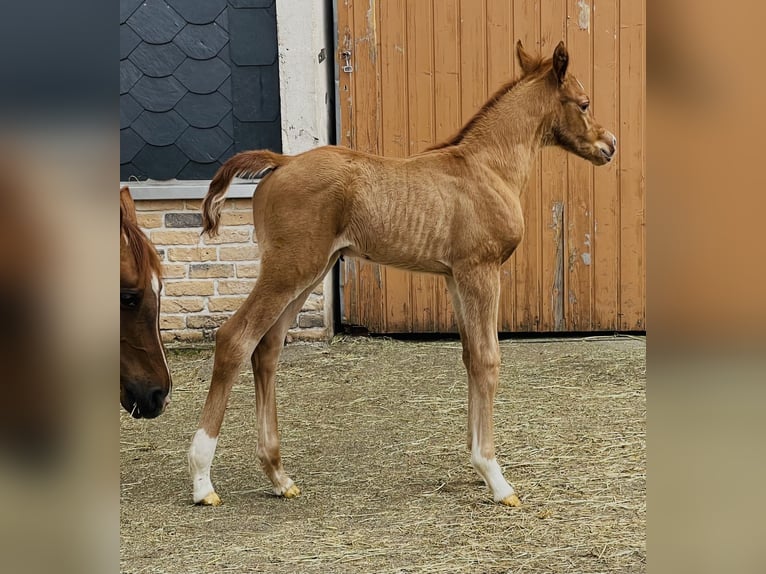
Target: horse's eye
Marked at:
584, 106
128, 300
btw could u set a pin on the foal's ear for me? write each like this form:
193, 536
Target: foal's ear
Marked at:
526, 60
560, 61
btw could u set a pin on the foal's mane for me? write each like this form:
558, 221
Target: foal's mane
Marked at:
488, 105
143, 251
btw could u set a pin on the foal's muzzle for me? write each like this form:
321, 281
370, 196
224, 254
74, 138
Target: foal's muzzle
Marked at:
607, 146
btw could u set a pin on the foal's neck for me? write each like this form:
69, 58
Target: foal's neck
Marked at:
511, 132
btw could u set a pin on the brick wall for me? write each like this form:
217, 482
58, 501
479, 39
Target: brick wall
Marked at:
206, 279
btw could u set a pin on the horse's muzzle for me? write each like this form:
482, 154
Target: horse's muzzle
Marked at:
143, 401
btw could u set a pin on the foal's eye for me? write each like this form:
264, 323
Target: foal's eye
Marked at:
584, 106
128, 300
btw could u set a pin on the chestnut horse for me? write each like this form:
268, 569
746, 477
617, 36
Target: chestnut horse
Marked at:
145, 381
453, 210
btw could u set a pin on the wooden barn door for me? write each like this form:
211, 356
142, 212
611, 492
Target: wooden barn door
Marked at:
416, 70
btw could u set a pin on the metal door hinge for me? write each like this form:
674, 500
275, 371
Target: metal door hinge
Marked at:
347, 67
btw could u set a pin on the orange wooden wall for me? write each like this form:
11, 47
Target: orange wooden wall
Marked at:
421, 68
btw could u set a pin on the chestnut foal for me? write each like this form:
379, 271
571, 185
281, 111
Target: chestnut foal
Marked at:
453, 210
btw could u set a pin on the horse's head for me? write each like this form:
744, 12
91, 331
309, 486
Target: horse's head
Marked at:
145, 381
572, 125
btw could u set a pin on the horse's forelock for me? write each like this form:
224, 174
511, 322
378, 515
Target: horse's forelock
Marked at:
144, 254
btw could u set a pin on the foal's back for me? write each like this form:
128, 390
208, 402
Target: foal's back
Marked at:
419, 213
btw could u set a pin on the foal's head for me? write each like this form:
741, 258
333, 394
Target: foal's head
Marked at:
571, 123
144, 376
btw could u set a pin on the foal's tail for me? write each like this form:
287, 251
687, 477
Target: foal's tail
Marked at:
247, 163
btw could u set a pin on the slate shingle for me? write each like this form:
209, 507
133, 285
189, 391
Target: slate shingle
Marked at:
158, 94
255, 93
251, 3
225, 89
198, 11
227, 154
160, 163
203, 110
260, 135
130, 145
129, 110
128, 171
160, 129
202, 76
253, 37
128, 41
127, 7
202, 145
129, 75
156, 22
227, 124
201, 42
194, 170
157, 60
223, 20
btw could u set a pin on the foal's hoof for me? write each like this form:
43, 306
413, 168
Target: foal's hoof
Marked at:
511, 500
291, 492
211, 499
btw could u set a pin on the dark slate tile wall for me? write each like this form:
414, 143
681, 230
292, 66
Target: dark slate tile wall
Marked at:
199, 81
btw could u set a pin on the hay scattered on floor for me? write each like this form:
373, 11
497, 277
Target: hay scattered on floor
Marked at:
373, 431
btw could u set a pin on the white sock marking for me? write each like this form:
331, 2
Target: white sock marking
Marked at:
490, 472
200, 459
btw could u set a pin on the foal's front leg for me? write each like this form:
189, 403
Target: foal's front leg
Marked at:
478, 292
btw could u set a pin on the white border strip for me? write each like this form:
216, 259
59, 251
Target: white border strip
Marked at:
142, 190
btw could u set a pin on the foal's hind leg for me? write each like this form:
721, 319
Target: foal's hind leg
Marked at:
478, 292
264, 360
279, 285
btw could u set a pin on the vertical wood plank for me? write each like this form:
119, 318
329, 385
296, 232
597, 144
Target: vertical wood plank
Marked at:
579, 215
344, 9
349, 283
394, 101
426, 317
501, 56
473, 57
447, 107
366, 77
632, 164
553, 192
420, 66
446, 67
527, 266
606, 225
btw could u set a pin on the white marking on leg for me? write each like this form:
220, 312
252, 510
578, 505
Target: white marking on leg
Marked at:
490, 472
201, 455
